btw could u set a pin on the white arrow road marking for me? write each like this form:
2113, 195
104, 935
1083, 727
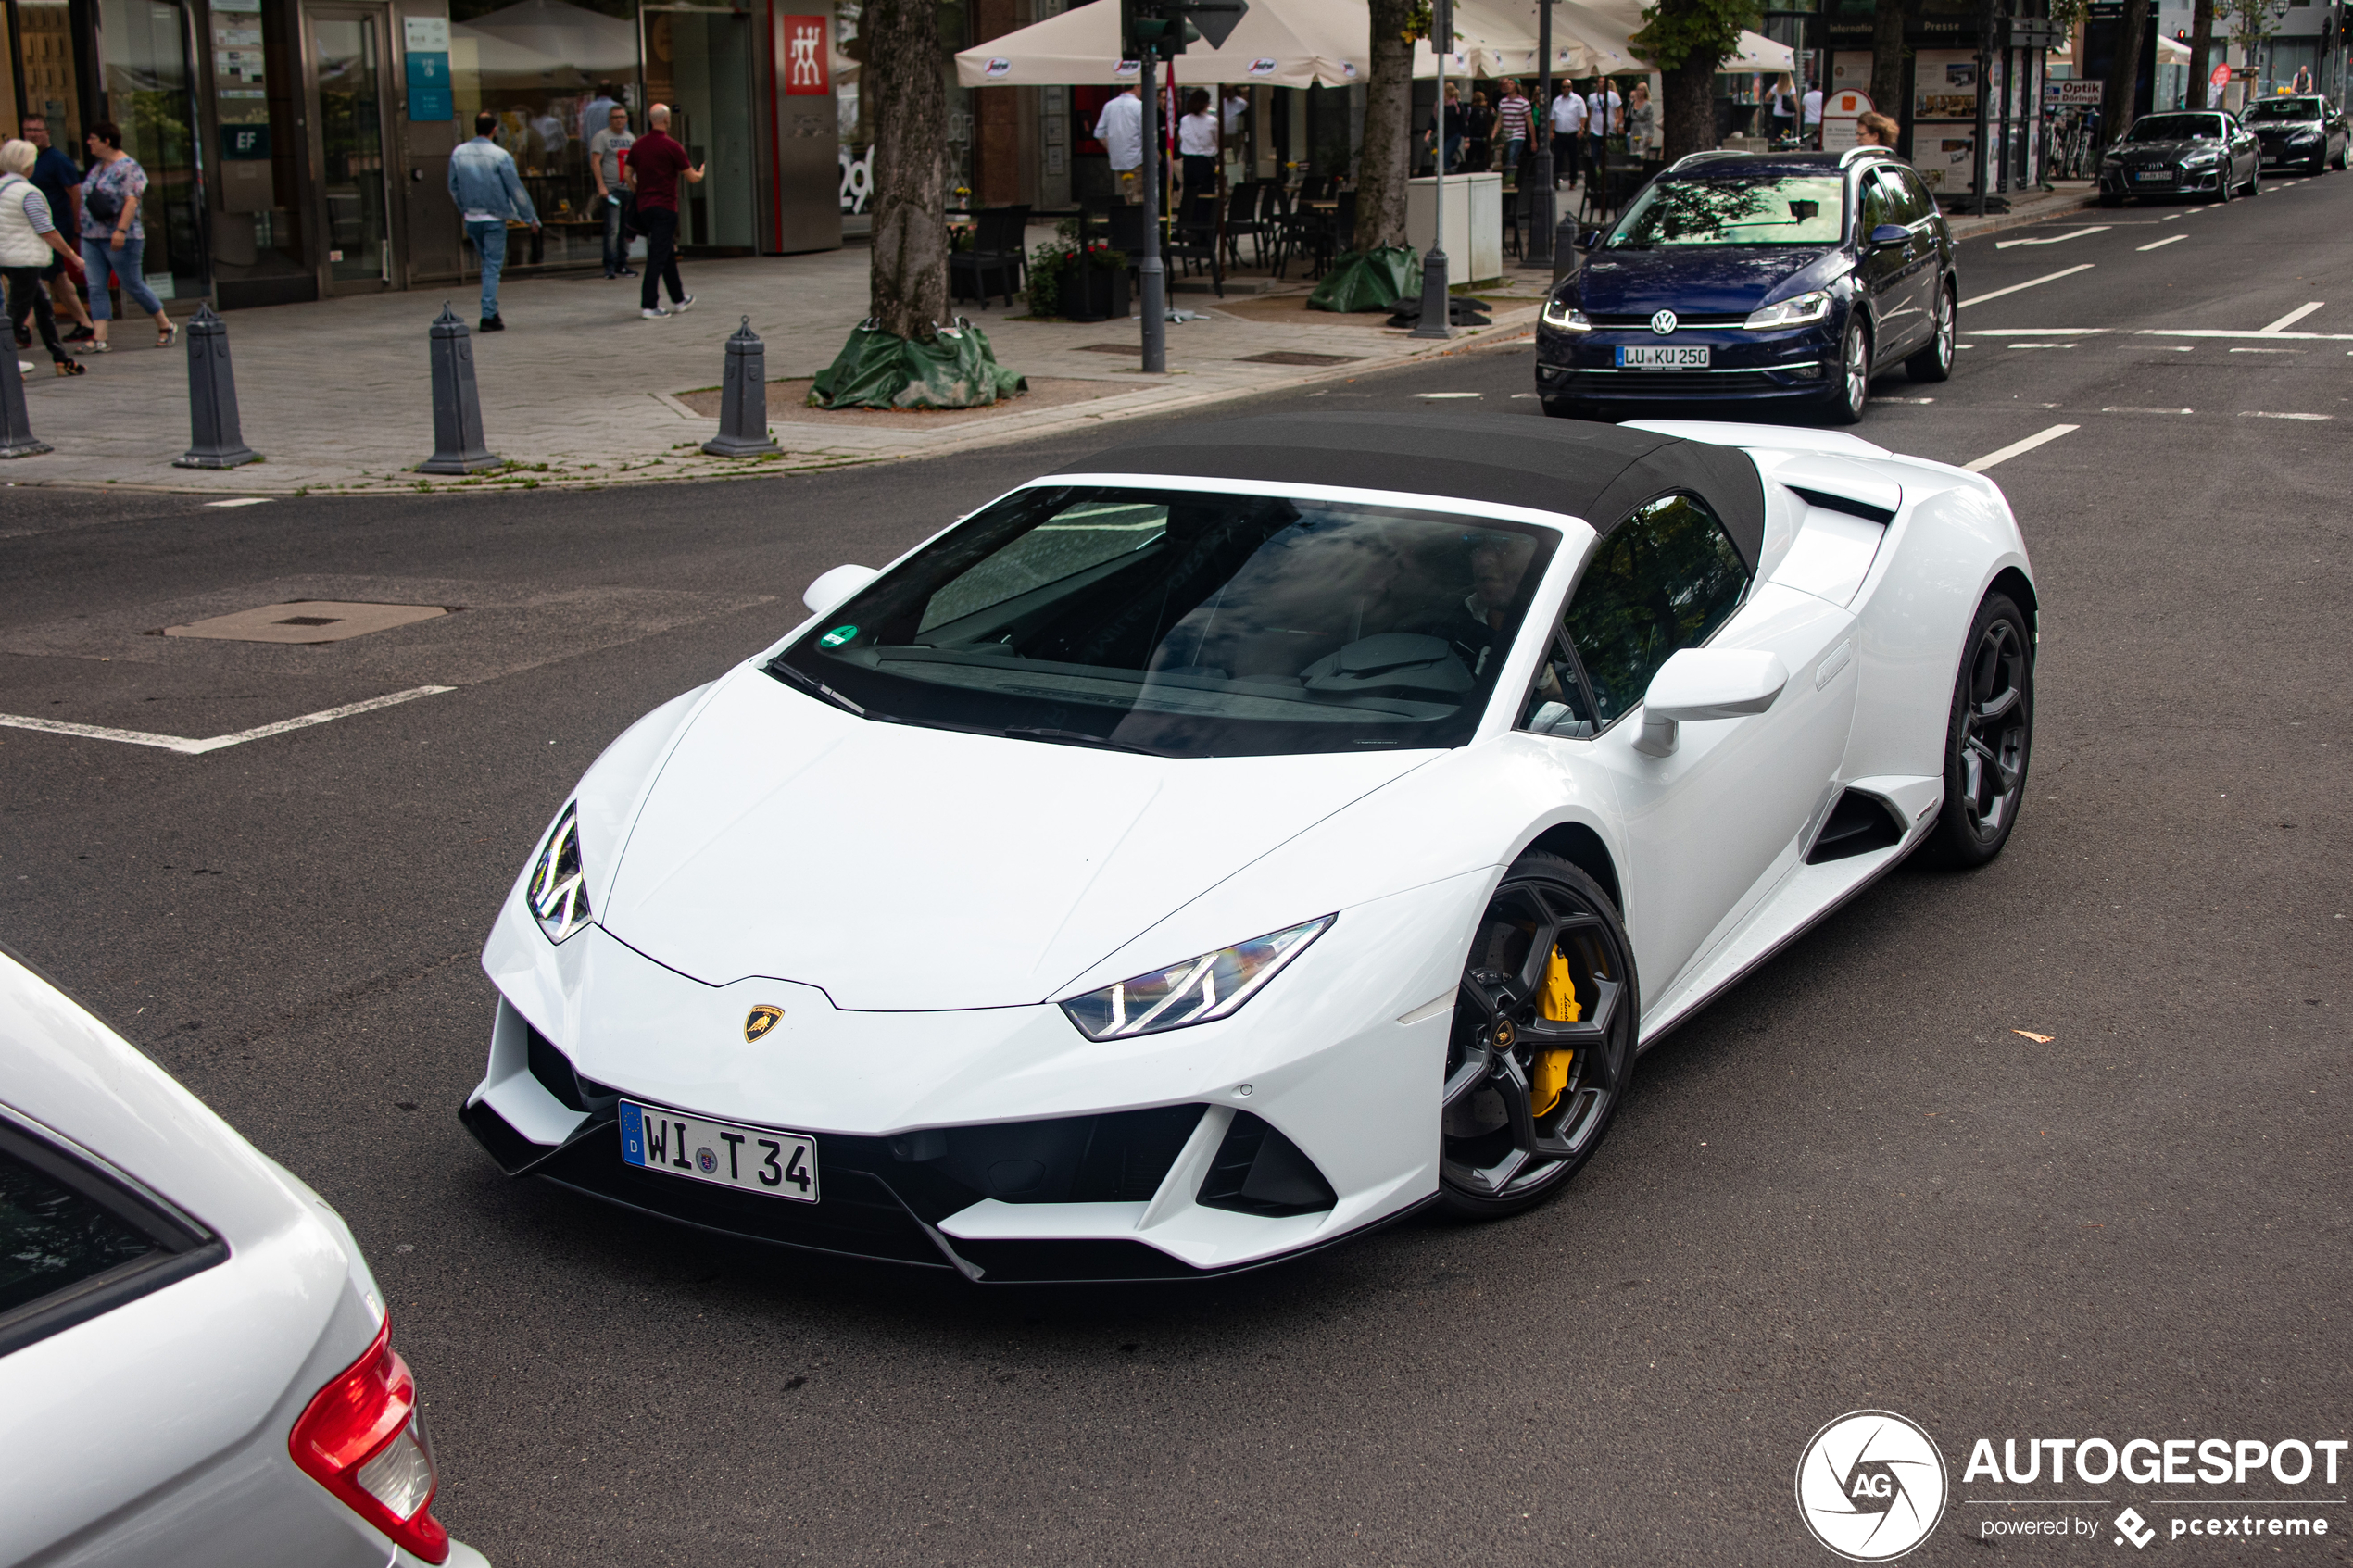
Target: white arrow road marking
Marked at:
2054, 239
2163, 242
2031, 283
2016, 448
2284, 322
187, 748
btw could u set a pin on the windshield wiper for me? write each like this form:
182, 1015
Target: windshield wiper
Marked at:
811, 683
1076, 738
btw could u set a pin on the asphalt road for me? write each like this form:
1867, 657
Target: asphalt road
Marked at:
1851, 1183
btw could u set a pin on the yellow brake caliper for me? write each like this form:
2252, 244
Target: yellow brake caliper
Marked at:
1558, 1003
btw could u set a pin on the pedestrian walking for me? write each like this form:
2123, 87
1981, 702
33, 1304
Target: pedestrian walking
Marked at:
59, 183
1875, 130
483, 183
1602, 107
111, 192
1512, 123
1120, 128
1197, 145
28, 238
1453, 125
606, 150
1641, 118
656, 165
1812, 113
1568, 125
1781, 109
1479, 126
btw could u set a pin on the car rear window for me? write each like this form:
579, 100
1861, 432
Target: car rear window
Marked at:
52, 1237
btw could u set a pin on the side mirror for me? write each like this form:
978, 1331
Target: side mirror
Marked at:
1889, 235
1707, 683
1591, 239
833, 587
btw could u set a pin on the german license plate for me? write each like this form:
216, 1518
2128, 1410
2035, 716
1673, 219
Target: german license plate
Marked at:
723, 1153
2154, 176
1660, 356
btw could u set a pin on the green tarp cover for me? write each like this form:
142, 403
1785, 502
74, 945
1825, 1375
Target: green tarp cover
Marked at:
876, 369
1369, 279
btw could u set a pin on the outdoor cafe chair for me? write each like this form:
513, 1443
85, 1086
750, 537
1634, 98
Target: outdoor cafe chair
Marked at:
995, 257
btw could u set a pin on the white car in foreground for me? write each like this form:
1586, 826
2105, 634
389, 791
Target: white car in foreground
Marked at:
195, 1367
1250, 834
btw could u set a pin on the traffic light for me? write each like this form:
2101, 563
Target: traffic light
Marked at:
1161, 29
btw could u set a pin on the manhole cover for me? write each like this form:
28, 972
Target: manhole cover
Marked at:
1293, 356
312, 621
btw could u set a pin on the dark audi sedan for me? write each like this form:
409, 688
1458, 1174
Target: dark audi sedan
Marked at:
2304, 130
2195, 152
1783, 277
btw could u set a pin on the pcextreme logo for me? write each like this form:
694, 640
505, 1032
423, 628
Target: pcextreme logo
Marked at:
1871, 1486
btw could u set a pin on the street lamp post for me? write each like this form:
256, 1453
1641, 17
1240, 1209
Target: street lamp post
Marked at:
1152, 276
1540, 216
1437, 319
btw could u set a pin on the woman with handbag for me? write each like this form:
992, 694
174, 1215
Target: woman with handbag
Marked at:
112, 237
28, 237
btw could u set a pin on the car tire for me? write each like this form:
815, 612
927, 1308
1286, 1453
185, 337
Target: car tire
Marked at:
2319, 166
2255, 181
1852, 390
1932, 362
1989, 737
1498, 1153
2223, 189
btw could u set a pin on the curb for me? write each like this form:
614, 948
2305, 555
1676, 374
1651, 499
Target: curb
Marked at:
1995, 225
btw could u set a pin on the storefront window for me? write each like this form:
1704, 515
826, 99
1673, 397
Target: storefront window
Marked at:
145, 52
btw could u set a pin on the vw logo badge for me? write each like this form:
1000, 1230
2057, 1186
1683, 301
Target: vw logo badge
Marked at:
1663, 323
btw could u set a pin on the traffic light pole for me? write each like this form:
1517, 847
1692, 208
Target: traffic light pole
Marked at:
1539, 214
1437, 317
1152, 279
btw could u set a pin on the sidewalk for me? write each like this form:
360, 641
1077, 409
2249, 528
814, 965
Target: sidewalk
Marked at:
2026, 206
579, 390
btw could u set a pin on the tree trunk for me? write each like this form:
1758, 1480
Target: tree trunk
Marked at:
905, 81
2120, 101
1887, 59
2201, 55
1689, 124
1389, 112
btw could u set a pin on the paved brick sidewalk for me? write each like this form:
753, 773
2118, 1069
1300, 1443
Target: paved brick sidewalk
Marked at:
579, 390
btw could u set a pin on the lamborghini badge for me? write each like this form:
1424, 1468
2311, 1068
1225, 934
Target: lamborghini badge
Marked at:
760, 1020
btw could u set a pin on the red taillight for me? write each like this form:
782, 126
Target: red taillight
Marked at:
361, 1439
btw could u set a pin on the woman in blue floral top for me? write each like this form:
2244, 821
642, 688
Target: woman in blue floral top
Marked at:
112, 237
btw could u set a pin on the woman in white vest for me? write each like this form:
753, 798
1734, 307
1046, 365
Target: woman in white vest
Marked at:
28, 236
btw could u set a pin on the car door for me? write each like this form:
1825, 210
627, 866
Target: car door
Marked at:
1880, 269
1705, 825
1916, 210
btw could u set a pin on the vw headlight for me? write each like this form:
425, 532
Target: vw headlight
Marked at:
558, 887
1212, 986
1565, 317
1797, 311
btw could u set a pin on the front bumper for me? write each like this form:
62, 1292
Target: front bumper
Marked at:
2181, 183
999, 1142
2275, 152
1798, 363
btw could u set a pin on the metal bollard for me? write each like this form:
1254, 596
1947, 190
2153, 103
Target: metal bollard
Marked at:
743, 400
16, 430
458, 447
214, 439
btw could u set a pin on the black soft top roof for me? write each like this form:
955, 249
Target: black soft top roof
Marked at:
1600, 472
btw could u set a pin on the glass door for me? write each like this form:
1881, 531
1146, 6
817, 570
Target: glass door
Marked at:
348, 161
699, 62
146, 93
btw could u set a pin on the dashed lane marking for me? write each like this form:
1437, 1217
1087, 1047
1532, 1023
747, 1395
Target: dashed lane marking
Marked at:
2120, 410
2261, 414
2018, 448
187, 748
2284, 322
2031, 283
242, 501
2163, 242
2267, 351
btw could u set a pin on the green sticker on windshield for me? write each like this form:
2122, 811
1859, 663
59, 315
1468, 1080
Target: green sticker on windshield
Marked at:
837, 636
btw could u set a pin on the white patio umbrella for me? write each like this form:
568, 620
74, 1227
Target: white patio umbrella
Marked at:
1281, 43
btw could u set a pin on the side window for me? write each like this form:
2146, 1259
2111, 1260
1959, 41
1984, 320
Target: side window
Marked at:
1912, 200
1877, 209
1558, 704
1664, 579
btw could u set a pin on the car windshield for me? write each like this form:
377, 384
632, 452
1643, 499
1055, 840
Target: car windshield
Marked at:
2285, 108
1186, 624
1770, 209
2176, 127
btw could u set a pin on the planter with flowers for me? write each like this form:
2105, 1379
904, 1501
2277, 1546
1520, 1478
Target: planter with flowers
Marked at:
1077, 282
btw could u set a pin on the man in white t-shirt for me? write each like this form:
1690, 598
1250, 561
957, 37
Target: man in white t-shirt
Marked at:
1120, 128
1568, 121
1812, 116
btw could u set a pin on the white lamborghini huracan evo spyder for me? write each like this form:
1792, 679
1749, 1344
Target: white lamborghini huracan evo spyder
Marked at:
1250, 834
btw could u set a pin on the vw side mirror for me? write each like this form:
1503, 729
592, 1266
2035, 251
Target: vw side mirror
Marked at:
831, 588
1593, 240
1889, 235
1706, 683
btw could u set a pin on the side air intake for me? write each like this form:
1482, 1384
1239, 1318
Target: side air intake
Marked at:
1858, 824
1258, 1171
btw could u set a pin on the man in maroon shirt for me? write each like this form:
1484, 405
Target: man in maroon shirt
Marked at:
656, 165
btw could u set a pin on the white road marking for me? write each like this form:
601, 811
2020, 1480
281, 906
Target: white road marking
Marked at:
2267, 333
2284, 322
2031, 283
1436, 397
2125, 410
187, 748
2163, 242
242, 501
2259, 414
2043, 332
2054, 239
2016, 448
2267, 351
2042, 346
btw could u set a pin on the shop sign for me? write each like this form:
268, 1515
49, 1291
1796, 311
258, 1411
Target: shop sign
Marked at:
805, 64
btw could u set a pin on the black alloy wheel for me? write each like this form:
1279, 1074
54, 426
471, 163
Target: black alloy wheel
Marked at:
2255, 180
1853, 393
1543, 1047
1932, 362
2223, 189
1989, 736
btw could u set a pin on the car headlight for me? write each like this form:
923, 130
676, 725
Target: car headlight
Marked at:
1565, 317
1794, 312
1212, 986
2307, 134
558, 887
2201, 160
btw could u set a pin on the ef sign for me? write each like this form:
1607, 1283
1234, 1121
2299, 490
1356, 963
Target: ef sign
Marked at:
801, 63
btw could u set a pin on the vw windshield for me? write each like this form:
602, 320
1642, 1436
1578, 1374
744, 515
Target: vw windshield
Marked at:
1783, 209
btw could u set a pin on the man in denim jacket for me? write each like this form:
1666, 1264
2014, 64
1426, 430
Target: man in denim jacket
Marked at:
483, 183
